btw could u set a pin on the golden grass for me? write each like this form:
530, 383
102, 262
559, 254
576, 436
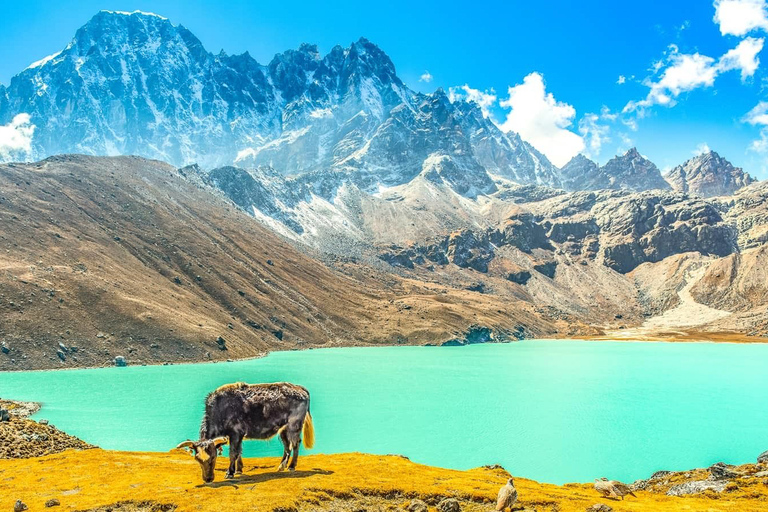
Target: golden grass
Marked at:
84, 480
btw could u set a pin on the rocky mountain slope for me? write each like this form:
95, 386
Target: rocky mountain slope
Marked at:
428, 222
108, 257
134, 83
630, 171
708, 175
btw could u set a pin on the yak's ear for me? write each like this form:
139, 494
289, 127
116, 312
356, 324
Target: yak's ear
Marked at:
186, 445
220, 441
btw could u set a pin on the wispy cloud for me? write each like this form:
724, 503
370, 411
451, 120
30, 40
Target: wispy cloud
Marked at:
426, 77
680, 72
484, 99
622, 79
16, 138
702, 148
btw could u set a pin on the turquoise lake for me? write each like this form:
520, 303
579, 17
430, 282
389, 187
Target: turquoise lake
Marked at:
554, 411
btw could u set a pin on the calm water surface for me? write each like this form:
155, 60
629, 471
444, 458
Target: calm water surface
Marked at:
555, 411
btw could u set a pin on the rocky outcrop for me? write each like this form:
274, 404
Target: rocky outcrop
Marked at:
580, 173
708, 175
652, 226
630, 171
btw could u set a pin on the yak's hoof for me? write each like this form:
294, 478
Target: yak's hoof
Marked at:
291, 469
238, 473
229, 476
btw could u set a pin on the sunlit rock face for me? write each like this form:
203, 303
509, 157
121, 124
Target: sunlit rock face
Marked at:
708, 175
134, 83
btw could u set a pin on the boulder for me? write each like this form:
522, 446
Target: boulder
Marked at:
763, 458
520, 277
449, 505
5, 415
721, 471
120, 361
696, 487
547, 268
52, 503
417, 506
599, 507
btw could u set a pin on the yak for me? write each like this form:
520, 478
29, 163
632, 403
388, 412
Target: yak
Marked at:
235, 412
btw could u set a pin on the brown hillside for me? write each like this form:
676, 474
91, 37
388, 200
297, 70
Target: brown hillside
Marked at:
106, 257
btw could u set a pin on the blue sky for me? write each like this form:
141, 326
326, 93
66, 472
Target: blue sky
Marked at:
681, 90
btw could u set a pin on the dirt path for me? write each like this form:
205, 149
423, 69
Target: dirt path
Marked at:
687, 315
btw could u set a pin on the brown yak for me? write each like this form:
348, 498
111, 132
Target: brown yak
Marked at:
240, 411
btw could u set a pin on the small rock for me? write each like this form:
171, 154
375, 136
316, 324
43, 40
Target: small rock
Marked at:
599, 507
52, 503
4, 348
177, 280
120, 361
449, 505
269, 262
19, 506
763, 458
230, 326
4, 415
695, 487
101, 335
61, 355
222, 343
720, 471
43, 422
417, 506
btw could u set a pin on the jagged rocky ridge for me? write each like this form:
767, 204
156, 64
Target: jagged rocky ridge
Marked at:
708, 175
134, 83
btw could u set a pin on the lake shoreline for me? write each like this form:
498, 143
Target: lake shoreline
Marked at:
615, 336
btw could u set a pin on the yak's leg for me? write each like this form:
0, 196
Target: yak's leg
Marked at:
235, 452
286, 450
239, 465
294, 436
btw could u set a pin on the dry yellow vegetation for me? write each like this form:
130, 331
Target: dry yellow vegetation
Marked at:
95, 479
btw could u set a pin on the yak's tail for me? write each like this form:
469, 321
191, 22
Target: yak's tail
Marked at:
309, 432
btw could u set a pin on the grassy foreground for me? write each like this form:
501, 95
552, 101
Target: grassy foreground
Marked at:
95, 479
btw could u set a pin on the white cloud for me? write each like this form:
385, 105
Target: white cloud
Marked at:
426, 77
739, 17
16, 138
484, 99
758, 115
743, 57
622, 79
686, 72
541, 120
702, 148
760, 145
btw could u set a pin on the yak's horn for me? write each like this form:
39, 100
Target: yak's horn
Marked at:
220, 441
185, 444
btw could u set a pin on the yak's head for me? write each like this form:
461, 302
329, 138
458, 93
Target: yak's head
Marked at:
205, 452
